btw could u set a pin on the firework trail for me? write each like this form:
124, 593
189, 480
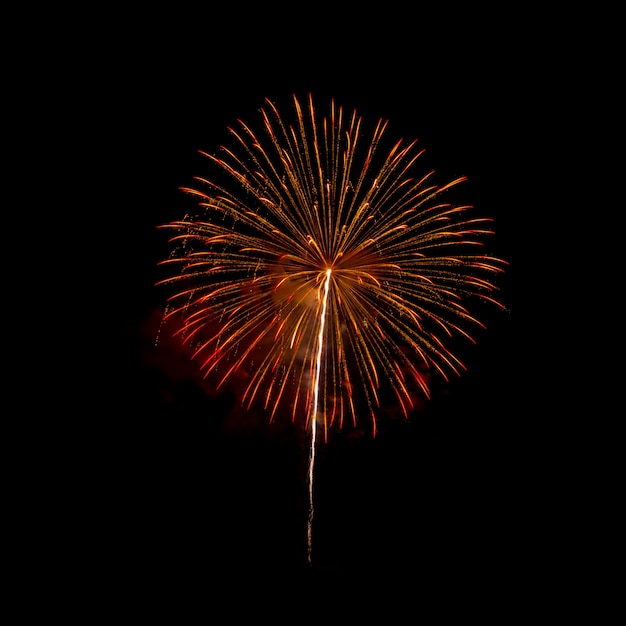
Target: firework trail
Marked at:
321, 266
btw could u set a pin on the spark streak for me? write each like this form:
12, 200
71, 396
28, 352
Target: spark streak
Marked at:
316, 385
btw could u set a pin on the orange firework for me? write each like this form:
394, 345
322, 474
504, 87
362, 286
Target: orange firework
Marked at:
328, 272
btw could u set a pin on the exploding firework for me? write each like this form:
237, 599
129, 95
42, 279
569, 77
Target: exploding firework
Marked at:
324, 273
325, 269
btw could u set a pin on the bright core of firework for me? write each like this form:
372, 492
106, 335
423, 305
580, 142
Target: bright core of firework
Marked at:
321, 265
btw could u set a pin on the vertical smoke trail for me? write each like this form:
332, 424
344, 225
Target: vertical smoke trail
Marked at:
318, 366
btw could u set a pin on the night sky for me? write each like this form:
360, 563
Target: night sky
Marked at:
182, 489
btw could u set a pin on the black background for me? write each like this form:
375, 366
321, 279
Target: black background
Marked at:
165, 492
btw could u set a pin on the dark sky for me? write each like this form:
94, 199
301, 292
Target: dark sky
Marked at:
186, 487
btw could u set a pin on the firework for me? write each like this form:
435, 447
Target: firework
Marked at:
324, 268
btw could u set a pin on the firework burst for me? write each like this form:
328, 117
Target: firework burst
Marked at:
321, 265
